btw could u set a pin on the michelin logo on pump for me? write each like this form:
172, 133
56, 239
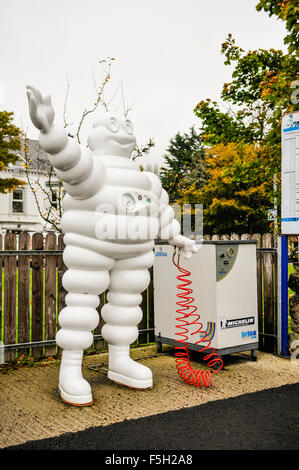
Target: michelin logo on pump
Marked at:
236, 322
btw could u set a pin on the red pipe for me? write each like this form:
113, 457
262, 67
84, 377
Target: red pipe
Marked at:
191, 376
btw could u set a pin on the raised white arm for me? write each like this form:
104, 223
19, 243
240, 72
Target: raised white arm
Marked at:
73, 165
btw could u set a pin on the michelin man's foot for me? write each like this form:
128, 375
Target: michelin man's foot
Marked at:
73, 388
123, 379
124, 371
76, 392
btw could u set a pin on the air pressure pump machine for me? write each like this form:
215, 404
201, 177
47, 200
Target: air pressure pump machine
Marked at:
218, 315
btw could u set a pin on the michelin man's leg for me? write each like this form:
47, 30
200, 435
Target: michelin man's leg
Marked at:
128, 278
87, 276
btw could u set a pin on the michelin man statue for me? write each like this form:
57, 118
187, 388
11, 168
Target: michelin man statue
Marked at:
112, 214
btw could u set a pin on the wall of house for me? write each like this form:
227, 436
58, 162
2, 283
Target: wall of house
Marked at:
28, 220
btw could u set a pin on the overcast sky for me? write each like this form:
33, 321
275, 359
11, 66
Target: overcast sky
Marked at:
167, 56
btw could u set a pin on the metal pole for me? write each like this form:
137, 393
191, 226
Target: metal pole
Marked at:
278, 295
284, 296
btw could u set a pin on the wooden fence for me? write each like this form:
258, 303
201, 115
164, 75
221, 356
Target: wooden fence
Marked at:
32, 295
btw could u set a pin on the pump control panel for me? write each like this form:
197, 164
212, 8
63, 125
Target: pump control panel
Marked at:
226, 256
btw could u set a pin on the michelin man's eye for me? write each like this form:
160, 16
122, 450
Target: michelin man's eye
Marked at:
129, 126
113, 124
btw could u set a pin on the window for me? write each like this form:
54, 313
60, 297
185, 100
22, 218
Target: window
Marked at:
17, 200
54, 198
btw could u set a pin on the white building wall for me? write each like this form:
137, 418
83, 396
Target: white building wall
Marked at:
29, 220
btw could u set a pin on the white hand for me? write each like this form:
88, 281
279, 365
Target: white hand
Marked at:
41, 110
152, 165
190, 249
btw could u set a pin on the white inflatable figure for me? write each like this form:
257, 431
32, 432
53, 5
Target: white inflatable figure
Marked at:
112, 214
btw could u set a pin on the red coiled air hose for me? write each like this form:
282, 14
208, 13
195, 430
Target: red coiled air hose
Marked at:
191, 376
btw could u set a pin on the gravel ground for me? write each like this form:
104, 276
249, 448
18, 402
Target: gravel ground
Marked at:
30, 408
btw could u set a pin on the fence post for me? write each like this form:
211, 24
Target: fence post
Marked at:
50, 293
235, 236
257, 236
151, 317
99, 344
142, 337
10, 296
37, 293
259, 277
245, 236
61, 268
24, 293
269, 303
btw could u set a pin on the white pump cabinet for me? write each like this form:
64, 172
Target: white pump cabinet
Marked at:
224, 283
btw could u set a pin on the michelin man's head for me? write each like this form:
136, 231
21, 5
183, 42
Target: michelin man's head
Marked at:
112, 134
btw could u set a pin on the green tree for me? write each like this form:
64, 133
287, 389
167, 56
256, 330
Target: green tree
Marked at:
259, 93
10, 144
242, 135
222, 127
185, 164
287, 11
239, 188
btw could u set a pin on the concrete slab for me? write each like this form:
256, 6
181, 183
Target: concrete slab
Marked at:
31, 409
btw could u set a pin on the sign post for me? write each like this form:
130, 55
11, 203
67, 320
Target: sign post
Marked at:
289, 214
